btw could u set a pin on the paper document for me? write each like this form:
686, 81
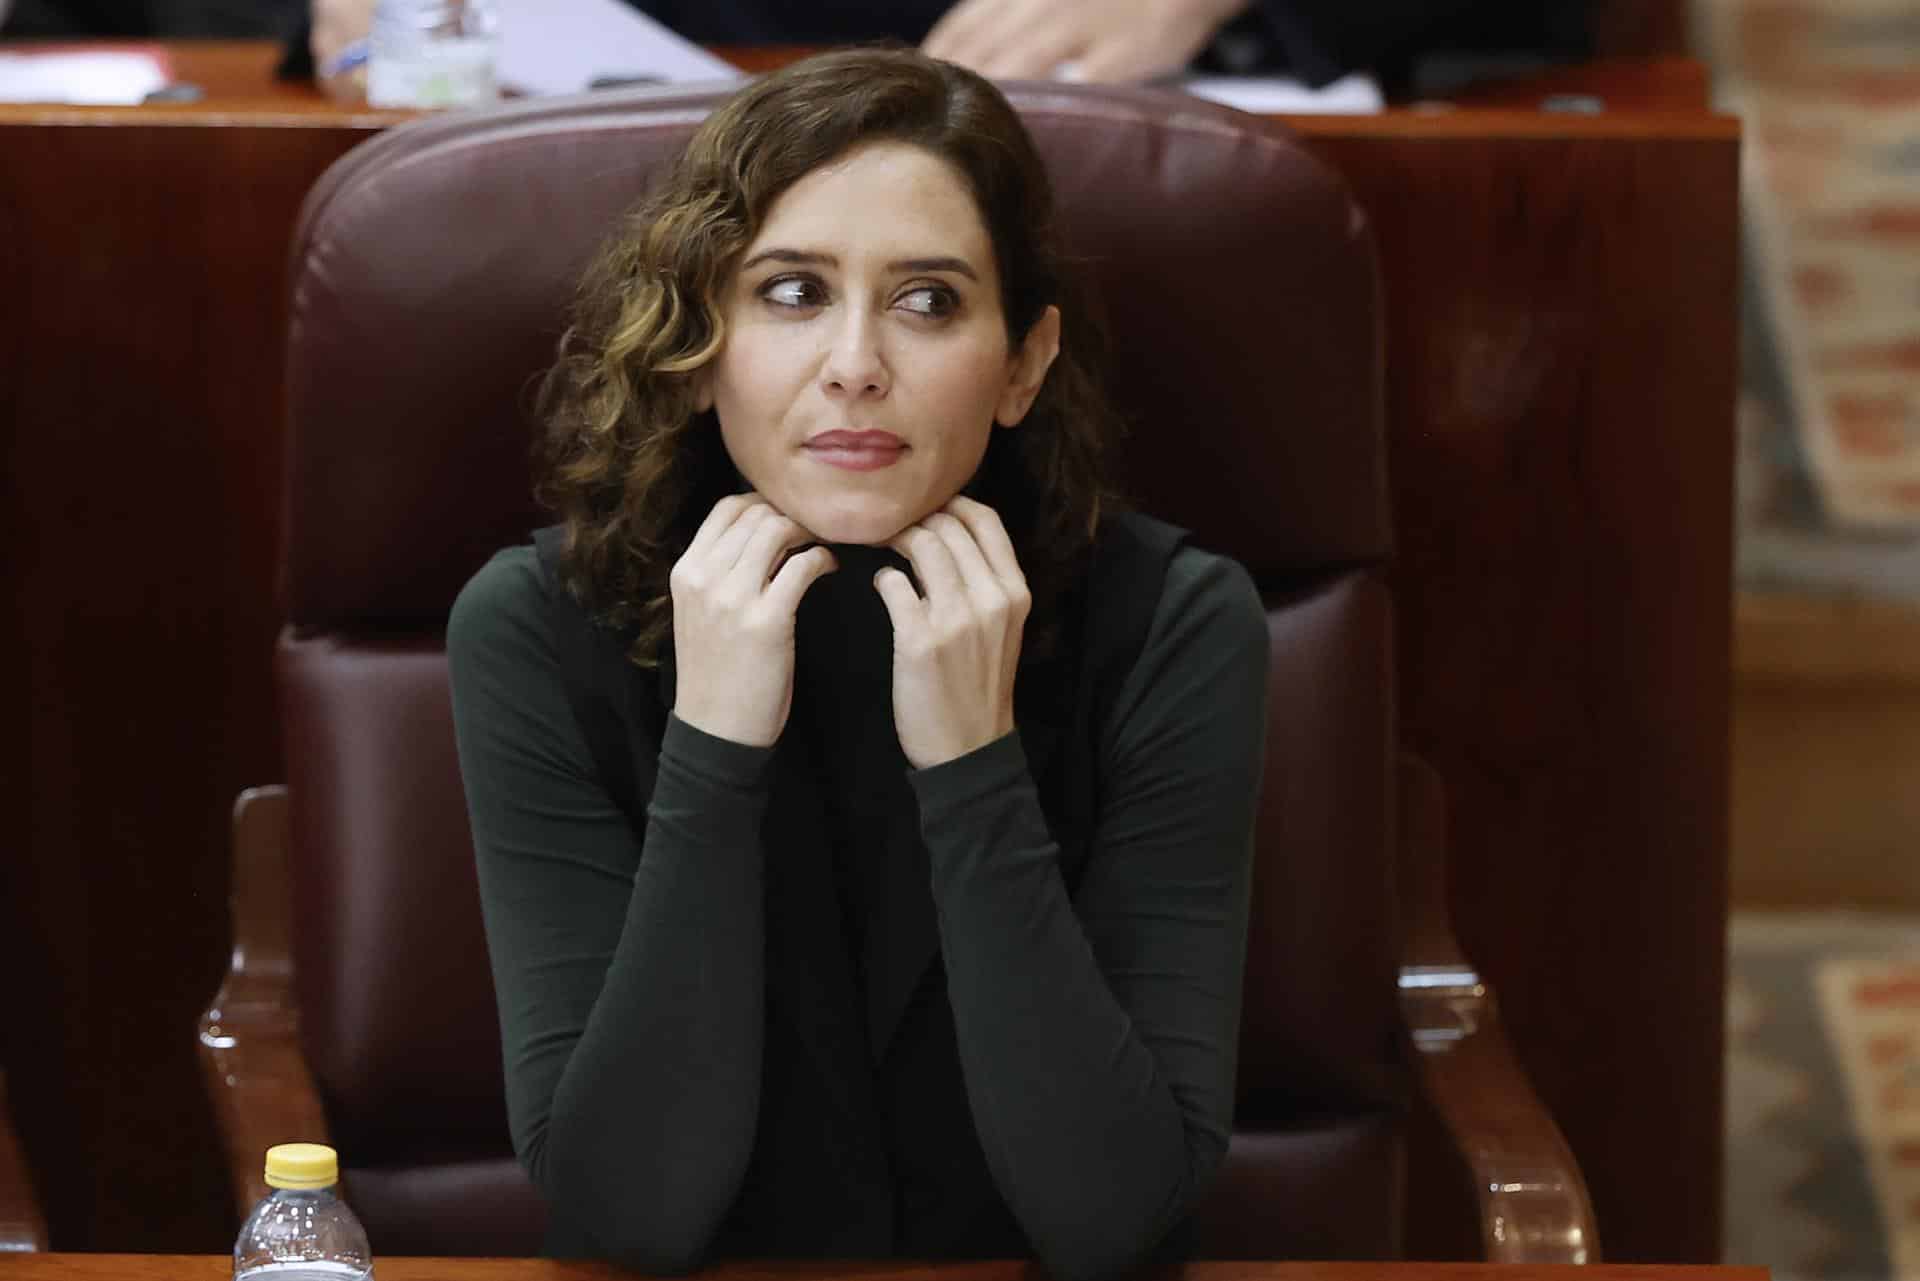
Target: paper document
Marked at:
1355, 95
120, 78
564, 46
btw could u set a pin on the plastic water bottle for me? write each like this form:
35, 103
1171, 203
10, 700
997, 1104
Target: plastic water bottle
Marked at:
433, 53
302, 1231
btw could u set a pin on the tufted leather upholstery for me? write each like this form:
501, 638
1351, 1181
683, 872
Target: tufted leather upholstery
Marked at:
430, 275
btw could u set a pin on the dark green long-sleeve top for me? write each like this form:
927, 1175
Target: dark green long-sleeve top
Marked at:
714, 1045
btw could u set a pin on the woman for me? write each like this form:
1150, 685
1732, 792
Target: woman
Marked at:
862, 804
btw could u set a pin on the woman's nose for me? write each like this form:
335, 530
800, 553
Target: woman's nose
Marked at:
854, 365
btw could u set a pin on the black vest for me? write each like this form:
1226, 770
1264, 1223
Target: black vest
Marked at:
865, 1145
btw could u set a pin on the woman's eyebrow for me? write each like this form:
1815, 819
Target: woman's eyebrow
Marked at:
958, 266
809, 258
795, 257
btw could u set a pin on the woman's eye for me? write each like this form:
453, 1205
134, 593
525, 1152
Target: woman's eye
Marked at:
930, 300
793, 291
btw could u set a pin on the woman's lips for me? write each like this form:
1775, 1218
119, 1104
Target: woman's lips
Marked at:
857, 450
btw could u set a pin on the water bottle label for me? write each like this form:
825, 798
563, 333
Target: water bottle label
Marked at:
433, 73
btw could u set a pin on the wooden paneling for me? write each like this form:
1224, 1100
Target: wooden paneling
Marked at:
140, 367
1560, 317
1561, 374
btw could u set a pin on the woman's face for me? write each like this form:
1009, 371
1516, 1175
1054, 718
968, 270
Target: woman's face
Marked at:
866, 359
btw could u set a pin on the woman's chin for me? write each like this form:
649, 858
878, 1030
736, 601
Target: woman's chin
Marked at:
852, 528
853, 538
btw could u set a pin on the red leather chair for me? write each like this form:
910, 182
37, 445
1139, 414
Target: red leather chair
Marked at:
430, 275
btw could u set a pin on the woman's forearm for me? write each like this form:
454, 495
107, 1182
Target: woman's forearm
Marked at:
652, 1121
1096, 1146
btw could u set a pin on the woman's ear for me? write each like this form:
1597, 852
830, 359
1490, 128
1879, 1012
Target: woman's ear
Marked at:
1027, 369
703, 388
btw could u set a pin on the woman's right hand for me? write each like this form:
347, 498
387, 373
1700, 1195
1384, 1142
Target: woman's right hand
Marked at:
733, 619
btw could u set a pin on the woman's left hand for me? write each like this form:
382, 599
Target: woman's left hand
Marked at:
955, 650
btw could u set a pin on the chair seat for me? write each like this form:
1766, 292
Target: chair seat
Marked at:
1326, 1190
477, 1208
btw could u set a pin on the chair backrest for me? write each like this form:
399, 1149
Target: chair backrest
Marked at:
430, 277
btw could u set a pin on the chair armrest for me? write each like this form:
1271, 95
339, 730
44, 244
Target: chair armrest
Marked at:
1532, 1199
256, 1076
22, 1226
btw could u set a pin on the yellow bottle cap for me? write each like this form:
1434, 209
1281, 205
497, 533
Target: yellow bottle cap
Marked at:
302, 1165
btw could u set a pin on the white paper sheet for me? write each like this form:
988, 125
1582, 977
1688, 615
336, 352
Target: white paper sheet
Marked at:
563, 46
1354, 95
105, 79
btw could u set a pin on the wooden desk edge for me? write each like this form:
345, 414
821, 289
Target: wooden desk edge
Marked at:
241, 92
1412, 123
1483, 124
243, 115
155, 1267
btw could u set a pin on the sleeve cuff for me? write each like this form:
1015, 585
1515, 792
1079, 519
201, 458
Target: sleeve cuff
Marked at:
992, 771
716, 762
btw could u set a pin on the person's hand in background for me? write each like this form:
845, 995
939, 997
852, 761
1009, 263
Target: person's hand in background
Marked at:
1104, 40
337, 26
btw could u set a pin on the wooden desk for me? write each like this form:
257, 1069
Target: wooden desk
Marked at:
164, 1267
237, 79
1560, 329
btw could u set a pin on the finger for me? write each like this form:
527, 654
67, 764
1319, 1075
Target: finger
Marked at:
932, 563
773, 535
904, 605
982, 585
1123, 57
995, 39
990, 536
718, 521
1035, 54
963, 30
797, 575
726, 549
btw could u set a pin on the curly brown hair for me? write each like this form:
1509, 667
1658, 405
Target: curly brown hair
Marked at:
631, 467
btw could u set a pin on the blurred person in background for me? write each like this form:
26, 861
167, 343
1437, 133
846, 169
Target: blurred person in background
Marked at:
1417, 46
